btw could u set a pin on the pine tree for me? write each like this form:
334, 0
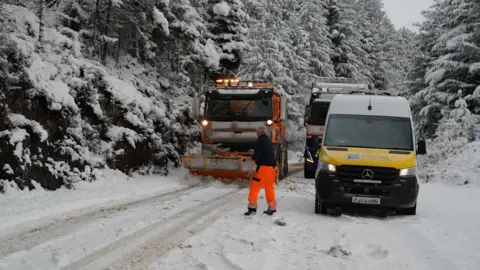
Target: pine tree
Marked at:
227, 26
407, 52
340, 21
313, 19
454, 53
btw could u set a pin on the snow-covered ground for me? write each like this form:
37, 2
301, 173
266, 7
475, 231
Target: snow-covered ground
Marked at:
129, 225
443, 235
18, 206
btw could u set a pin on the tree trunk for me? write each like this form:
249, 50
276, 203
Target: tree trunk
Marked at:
106, 33
119, 45
95, 21
41, 25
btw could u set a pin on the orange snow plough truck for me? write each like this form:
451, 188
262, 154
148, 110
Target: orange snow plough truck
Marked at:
232, 112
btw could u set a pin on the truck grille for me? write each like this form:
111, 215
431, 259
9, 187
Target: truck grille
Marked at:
347, 174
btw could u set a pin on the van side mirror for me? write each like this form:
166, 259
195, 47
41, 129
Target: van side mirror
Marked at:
195, 108
421, 147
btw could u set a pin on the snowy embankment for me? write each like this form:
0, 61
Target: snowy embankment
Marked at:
203, 227
295, 156
451, 163
461, 169
112, 188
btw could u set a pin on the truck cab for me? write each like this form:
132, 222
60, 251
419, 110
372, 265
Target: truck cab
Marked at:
368, 155
233, 110
316, 113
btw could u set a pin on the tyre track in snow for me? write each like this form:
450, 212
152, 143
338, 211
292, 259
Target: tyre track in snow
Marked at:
63, 224
140, 249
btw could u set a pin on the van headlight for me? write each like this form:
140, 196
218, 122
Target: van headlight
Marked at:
408, 171
326, 166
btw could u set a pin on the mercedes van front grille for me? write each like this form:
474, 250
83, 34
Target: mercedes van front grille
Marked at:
367, 175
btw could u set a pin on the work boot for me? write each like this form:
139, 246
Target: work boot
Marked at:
269, 211
251, 211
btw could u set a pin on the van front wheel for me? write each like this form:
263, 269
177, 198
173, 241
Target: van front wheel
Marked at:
410, 211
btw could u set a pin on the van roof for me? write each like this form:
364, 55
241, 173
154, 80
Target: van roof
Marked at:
381, 105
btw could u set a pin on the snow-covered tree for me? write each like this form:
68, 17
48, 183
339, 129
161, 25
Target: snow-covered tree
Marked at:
452, 52
128, 70
227, 25
313, 20
344, 38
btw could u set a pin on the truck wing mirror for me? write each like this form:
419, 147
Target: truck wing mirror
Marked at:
421, 147
195, 108
305, 115
315, 141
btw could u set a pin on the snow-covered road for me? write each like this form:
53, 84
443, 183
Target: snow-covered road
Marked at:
445, 234
203, 227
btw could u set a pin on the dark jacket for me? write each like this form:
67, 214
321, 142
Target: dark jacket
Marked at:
264, 153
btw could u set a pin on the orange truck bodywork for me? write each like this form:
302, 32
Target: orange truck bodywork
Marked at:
238, 164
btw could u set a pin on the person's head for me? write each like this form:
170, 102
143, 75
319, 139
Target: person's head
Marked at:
261, 130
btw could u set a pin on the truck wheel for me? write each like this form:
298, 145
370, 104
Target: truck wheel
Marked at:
320, 207
309, 174
410, 211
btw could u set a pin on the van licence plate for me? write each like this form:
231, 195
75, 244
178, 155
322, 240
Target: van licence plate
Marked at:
365, 200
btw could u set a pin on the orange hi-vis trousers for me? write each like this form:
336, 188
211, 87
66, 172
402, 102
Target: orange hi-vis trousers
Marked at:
266, 176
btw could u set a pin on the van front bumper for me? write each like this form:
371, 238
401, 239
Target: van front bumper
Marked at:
402, 193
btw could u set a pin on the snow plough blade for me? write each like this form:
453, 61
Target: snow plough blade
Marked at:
223, 166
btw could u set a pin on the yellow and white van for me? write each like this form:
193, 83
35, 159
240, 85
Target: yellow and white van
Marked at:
368, 155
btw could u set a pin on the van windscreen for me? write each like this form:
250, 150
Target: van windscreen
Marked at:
366, 131
318, 113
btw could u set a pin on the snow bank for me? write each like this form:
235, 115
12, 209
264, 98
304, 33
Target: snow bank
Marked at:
461, 168
295, 156
66, 116
111, 187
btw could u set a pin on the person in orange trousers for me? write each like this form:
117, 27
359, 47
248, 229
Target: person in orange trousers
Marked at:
265, 175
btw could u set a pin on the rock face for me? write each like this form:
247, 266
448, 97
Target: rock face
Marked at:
63, 116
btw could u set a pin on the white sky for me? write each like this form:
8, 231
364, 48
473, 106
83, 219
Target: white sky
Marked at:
406, 12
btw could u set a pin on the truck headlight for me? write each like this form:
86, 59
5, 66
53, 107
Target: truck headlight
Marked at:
408, 171
204, 122
269, 122
327, 166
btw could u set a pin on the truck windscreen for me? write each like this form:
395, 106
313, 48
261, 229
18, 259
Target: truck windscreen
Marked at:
318, 113
365, 131
239, 109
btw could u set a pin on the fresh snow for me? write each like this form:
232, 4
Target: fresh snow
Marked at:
204, 228
212, 56
161, 20
19, 206
442, 236
19, 120
460, 169
222, 8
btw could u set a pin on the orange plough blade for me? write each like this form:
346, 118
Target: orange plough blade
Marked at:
224, 165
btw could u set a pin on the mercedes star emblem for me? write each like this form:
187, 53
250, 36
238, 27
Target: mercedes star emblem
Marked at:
367, 174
